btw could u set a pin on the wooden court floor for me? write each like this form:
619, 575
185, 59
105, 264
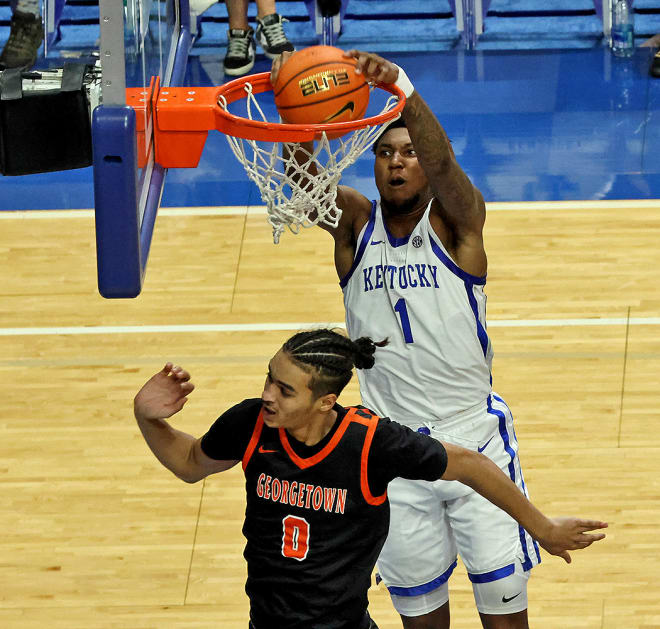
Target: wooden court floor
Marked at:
95, 534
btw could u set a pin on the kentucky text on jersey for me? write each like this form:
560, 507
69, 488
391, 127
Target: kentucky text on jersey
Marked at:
301, 494
408, 275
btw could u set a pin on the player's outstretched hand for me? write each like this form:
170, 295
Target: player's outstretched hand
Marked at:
571, 534
278, 62
374, 68
163, 394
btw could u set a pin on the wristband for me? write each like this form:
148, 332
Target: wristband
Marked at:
403, 82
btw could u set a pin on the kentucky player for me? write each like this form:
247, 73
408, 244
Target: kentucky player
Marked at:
412, 267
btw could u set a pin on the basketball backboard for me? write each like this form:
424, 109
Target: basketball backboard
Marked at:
140, 40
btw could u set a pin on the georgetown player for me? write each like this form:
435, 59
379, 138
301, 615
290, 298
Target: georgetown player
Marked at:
412, 267
316, 480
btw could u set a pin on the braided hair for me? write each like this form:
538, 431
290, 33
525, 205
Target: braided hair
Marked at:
330, 357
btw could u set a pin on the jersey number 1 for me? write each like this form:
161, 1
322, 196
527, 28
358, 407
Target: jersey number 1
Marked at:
401, 308
295, 540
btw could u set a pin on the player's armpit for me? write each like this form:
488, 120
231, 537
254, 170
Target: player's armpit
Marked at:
470, 254
356, 210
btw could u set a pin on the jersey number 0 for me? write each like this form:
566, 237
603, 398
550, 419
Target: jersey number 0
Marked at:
295, 539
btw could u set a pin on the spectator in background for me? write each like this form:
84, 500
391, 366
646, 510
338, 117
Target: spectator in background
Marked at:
25, 36
241, 44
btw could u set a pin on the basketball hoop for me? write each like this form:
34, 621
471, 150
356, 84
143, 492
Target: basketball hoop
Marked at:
298, 186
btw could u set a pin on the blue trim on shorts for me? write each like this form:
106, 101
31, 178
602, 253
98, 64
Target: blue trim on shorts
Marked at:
522, 479
494, 575
418, 590
527, 564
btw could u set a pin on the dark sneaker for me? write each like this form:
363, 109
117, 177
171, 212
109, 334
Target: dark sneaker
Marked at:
271, 37
25, 37
240, 51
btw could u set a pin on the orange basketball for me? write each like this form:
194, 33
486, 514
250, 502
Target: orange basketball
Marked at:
319, 85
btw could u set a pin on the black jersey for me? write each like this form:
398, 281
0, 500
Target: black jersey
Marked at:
317, 517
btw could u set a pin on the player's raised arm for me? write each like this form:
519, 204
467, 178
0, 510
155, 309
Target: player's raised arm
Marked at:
163, 395
557, 536
460, 205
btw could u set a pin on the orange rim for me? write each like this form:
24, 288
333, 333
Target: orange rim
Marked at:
240, 127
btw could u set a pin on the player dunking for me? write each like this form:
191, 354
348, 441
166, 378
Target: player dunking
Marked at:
413, 268
316, 480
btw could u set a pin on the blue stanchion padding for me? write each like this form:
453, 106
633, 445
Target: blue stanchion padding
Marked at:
123, 238
119, 264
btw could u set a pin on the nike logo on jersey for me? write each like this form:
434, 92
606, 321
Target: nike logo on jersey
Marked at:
377, 242
408, 275
506, 600
262, 451
485, 445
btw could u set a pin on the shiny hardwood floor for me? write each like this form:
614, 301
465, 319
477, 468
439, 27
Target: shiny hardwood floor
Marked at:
96, 534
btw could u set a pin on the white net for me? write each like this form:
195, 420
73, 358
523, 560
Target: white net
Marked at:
299, 186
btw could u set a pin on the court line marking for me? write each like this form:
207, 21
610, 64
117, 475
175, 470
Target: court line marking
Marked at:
276, 327
258, 210
230, 210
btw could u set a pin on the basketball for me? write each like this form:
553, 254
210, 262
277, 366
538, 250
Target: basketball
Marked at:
319, 85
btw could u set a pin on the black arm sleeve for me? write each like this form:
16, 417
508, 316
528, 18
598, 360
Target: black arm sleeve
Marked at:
228, 437
398, 451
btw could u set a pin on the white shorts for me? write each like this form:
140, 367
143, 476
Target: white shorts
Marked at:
432, 522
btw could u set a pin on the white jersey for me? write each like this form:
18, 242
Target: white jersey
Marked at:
438, 360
